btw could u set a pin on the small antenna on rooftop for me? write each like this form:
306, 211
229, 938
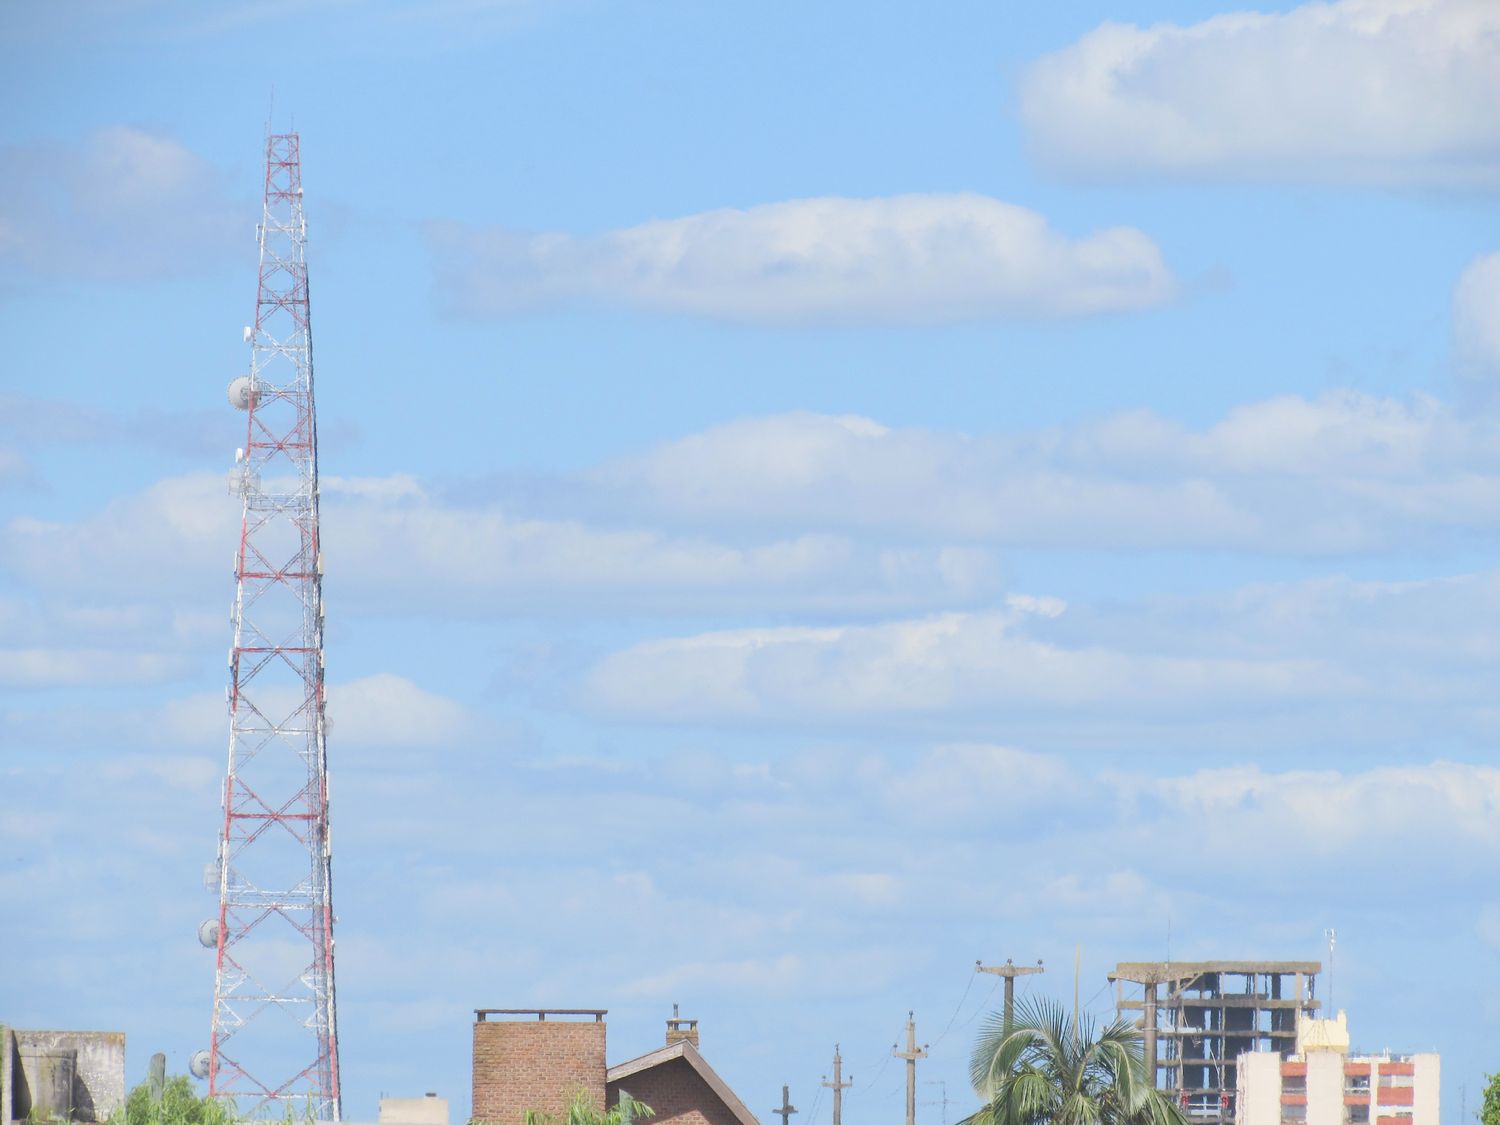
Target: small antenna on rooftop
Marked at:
1332, 937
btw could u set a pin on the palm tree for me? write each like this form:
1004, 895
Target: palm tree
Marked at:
583, 1111
1048, 1069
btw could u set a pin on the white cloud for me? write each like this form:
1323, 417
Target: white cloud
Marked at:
778, 975
389, 710
15, 470
389, 543
485, 559
906, 259
178, 533
1317, 665
1319, 816
1488, 924
124, 205
860, 899
1343, 472
976, 666
54, 667
1387, 92
1476, 317
334, 27
381, 710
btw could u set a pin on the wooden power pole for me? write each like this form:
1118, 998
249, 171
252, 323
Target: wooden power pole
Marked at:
787, 1108
1010, 971
838, 1086
911, 1055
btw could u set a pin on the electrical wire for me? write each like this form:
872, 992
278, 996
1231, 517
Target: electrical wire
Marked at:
878, 1072
812, 1114
985, 1003
957, 1008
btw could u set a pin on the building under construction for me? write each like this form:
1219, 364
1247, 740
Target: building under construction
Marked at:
1198, 1017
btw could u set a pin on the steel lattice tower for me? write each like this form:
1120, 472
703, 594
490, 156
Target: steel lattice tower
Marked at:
275, 1039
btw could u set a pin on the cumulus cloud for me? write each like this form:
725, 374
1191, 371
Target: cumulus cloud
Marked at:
1476, 317
122, 205
1340, 473
976, 666
177, 535
1324, 814
391, 543
30, 421
15, 470
433, 553
390, 710
82, 646
59, 667
1386, 92
379, 711
1323, 663
906, 259
856, 882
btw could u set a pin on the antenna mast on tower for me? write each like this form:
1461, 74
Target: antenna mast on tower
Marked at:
274, 1043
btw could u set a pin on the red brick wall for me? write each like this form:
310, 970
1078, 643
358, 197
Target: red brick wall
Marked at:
677, 1094
535, 1064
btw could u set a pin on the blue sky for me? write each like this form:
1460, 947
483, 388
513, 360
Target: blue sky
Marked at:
814, 495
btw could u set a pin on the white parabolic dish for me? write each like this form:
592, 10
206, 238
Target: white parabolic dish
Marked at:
239, 393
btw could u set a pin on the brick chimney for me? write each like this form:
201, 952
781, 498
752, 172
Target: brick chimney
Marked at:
679, 1029
537, 1058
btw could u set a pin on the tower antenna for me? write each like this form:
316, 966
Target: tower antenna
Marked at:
274, 1041
1332, 937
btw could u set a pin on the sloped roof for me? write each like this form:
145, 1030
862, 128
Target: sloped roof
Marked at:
683, 1049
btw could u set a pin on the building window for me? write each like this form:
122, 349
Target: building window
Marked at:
1293, 1114
1357, 1084
1295, 1084
1358, 1114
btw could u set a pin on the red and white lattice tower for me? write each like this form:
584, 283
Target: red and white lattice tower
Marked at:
275, 1041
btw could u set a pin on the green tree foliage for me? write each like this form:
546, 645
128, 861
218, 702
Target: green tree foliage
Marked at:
179, 1105
583, 1111
1489, 1112
1045, 1069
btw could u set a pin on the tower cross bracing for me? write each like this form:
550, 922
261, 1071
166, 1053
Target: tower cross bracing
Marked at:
274, 1037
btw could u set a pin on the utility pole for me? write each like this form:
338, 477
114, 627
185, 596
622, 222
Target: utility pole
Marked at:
911, 1055
838, 1086
1010, 971
787, 1108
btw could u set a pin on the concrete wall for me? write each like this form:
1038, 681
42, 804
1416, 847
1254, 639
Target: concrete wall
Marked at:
1426, 1081
677, 1094
1258, 1089
7, 1063
431, 1110
98, 1076
1325, 1088
535, 1064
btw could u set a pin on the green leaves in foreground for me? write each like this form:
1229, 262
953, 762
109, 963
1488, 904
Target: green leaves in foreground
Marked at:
1045, 1069
583, 1111
179, 1105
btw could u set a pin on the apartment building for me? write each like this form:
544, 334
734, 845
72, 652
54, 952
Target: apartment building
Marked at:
1322, 1083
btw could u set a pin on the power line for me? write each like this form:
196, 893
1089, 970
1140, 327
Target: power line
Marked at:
812, 1114
878, 1071
994, 988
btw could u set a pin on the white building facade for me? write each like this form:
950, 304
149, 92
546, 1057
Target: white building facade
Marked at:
1322, 1084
